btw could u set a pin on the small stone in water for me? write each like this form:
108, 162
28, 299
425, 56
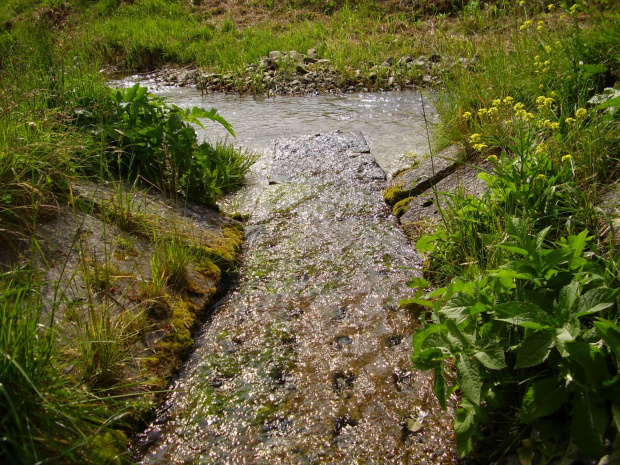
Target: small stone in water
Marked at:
413, 426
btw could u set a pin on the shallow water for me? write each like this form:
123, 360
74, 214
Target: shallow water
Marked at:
307, 361
393, 123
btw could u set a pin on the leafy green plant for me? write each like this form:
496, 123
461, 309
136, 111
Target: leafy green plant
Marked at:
535, 345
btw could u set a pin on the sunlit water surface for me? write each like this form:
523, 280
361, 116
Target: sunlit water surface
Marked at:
307, 360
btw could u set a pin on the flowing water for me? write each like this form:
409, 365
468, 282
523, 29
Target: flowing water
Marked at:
307, 361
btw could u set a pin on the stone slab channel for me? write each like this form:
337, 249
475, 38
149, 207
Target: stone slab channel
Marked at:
307, 361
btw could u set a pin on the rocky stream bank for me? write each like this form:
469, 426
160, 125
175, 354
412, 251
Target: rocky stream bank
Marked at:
294, 73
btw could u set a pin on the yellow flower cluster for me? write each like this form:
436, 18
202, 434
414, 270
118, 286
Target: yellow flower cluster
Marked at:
542, 148
566, 158
581, 113
466, 115
548, 124
492, 158
570, 121
479, 147
508, 100
525, 25
541, 25
521, 3
544, 103
475, 138
573, 9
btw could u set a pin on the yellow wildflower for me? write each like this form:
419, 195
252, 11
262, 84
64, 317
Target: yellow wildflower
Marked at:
508, 100
508, 122
525, 25
521, 3
475, 137
542, 148
492, 111
550, 7
581, 113
497, 102
566, 158
548, 48
570, 121
492, 158
483, 111
573, 9
541, 86
480, 147
467, 115
541, 176
518, 106
554, 126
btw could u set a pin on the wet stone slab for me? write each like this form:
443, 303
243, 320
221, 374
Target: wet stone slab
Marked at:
308, 360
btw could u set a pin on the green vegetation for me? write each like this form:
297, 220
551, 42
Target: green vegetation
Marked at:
525, 327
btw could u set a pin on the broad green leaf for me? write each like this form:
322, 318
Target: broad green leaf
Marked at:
416, 283
426, 243
589, 422
514, 249
534, 349
591, 359
439, 341
610, 332
428, 359
595, 300
455, 336
592, 70
456, 308
554, 258
421, 334
439, 386
578, 243
492, 359
543, 398
469, 378
525, 314
568, 296
131, 92
466, 422
566, 334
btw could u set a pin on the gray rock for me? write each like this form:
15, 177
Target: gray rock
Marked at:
275, 55
296, 56
310, 60
428, 205
311, 53
390, 81
405, 59
323, 61
301, 69
429, 172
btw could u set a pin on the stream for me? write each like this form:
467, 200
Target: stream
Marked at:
307, 360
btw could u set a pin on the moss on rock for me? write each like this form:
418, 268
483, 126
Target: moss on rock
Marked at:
401, 206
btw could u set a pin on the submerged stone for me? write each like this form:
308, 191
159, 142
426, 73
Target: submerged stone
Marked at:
313, 381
